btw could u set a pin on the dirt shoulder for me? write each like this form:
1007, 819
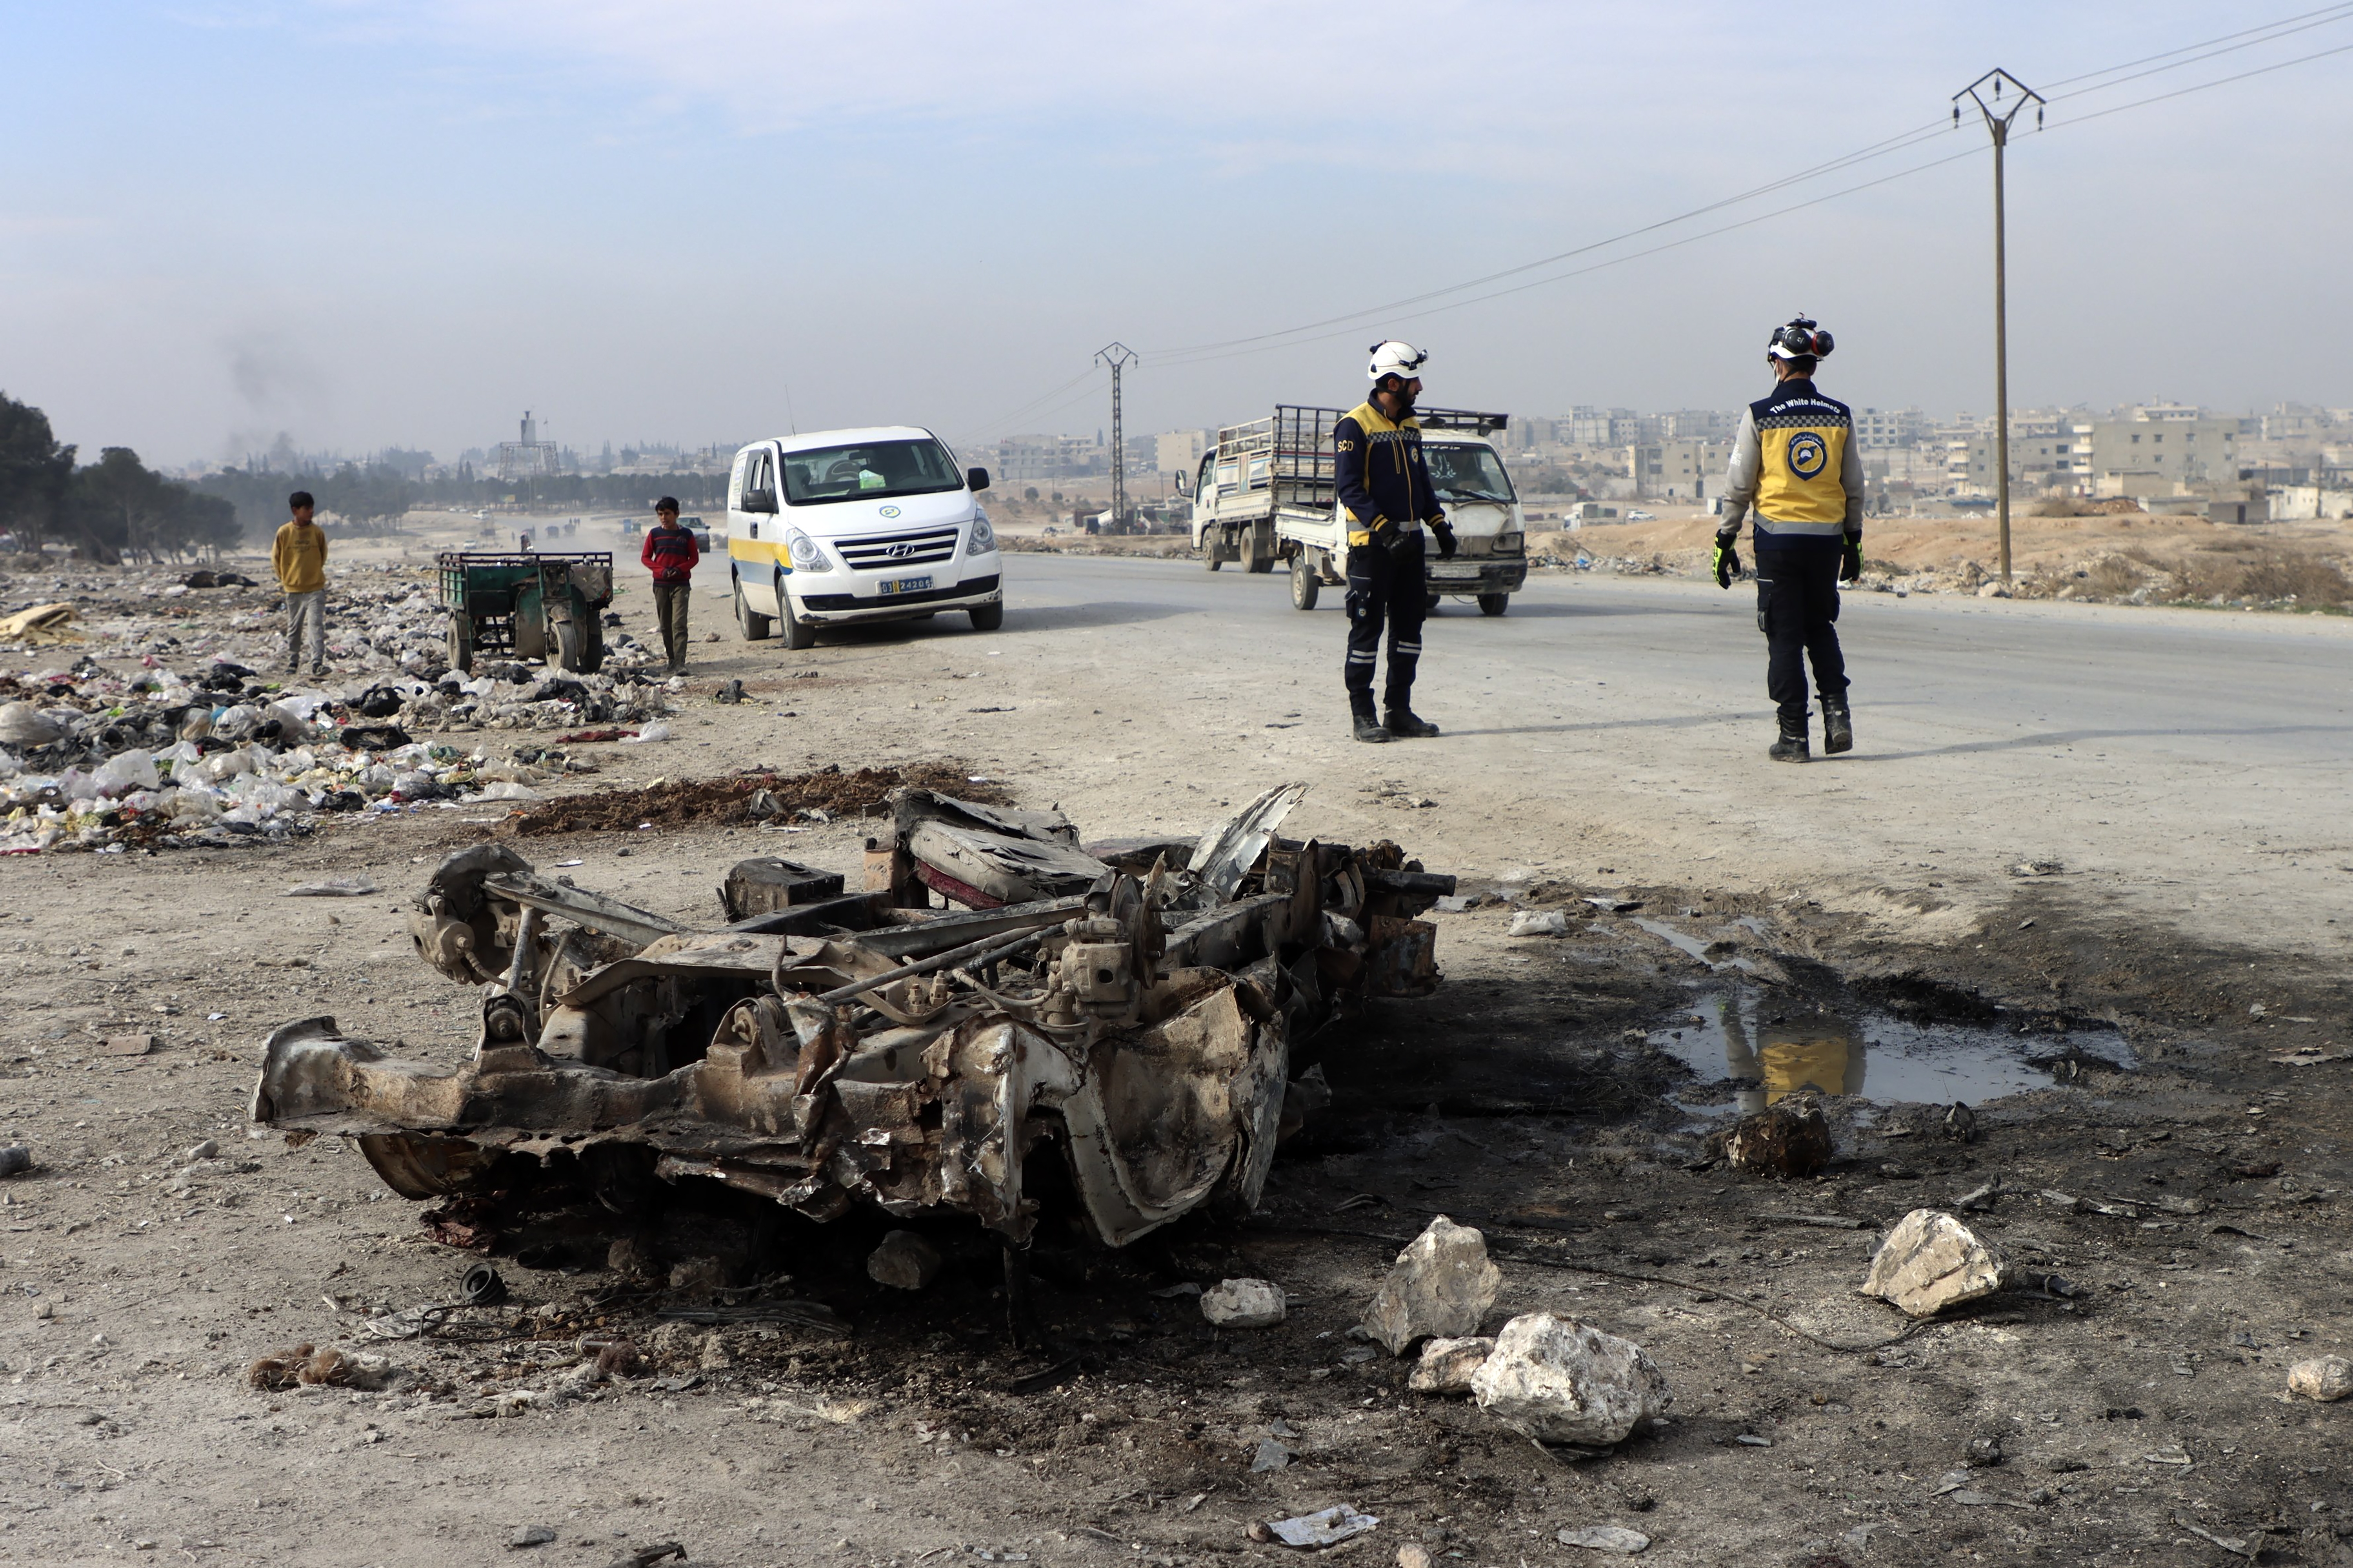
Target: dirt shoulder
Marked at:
1546, 1093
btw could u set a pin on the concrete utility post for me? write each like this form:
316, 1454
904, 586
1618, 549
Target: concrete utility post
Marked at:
1986, 92
1119, 356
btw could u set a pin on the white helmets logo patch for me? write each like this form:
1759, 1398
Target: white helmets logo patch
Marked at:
1808, 456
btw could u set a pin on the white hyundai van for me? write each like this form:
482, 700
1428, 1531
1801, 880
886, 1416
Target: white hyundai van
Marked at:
857, 525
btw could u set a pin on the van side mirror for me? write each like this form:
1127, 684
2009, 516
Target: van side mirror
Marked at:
758, 500
976, 478
1184, 484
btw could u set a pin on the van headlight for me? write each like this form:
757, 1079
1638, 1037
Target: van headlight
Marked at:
806, 556
983, 540
1510, 543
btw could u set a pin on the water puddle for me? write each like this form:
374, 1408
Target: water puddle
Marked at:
1762, 1055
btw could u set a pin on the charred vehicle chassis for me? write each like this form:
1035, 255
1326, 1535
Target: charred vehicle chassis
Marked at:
1130, 1007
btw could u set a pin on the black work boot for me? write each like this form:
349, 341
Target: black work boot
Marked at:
1406, 725
1368, 727
1837, 727
1792, 747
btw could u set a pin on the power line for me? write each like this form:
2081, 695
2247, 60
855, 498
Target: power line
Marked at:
2280, 28
2196, 52
2180, 58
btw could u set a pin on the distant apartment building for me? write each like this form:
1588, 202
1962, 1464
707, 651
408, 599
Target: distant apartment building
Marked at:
1882, 429
1678, 470
1601, 427
1180, 451
1034, 460
2155, 449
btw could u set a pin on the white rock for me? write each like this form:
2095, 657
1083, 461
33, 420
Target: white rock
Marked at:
1931, 1261
1243, 1304
1560, 1381
904, 1261
2325, 1378
1606, 1538
1447, 1365
1440, 1287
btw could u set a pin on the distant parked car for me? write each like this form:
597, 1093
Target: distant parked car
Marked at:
1639, 515
695, 526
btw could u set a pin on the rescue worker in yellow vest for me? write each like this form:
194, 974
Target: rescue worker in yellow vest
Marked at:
1795, 466
1386, 493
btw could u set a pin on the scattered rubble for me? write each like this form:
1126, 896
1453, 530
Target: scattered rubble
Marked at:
1790, 1138
2326, 1378
1931, 1261
1558, 1380
872, 1048
1244, 1304
1447, 1365
1440, 1286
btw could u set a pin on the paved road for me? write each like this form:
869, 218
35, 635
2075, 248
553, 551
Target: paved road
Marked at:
2190, 765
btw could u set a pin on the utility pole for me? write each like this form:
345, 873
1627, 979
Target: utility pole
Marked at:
1986, 92
1119, 356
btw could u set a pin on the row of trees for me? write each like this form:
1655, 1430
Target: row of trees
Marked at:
112, 510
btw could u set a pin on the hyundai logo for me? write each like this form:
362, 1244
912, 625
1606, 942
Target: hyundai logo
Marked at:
900, 551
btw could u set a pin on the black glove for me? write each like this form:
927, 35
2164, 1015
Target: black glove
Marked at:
1851, 568
1727, 560
1405, 548
1445, 539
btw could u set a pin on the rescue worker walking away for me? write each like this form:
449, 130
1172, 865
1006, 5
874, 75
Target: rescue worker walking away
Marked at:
1385, 489
670, 553
1795, 464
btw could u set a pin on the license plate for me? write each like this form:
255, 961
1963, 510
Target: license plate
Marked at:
1449, 571
905, 585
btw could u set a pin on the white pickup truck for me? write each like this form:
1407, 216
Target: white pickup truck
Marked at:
1266, 492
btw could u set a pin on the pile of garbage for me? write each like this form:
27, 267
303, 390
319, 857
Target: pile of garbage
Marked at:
384, 620
90, 758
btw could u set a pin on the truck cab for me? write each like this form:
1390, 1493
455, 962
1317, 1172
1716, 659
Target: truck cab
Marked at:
843, 526
1490, 560
1267, 492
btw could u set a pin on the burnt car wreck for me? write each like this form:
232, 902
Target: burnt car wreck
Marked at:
1129, 1011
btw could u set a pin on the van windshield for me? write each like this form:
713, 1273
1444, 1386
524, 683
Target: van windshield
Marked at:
868, 471
1467, 473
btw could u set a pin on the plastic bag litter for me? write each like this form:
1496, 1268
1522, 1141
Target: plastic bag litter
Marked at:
657, 730
332, 888
124, 771
504, 791
1539, 922
1325, 1527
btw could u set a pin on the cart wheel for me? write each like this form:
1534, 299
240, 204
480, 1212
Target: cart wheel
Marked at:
1305, 580
461, 648
1493, 603
571, 649
755, 628
592, 647
798, 632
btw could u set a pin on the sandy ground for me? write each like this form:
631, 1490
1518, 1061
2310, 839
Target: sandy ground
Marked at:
1542, 1093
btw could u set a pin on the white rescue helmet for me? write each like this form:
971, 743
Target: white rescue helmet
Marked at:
1801, 339
1394, 358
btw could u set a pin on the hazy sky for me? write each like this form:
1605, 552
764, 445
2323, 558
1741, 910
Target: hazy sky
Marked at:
372, 224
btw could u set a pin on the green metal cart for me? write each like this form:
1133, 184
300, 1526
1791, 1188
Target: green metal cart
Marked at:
527, 605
